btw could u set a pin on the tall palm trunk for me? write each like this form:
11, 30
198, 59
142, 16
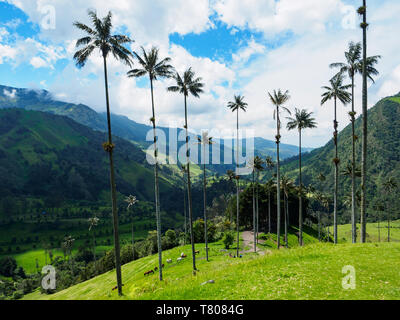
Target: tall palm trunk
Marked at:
184, 209
278, 184
133, 244
285, 215
257, 212
300, 196
113, 187
329, 235
353, 165
389, 218
379, 230
254, 215
237, 186
156, 189
189, 188
269, 211
364, 128
319, 226
94, 245
205, 202
336, 177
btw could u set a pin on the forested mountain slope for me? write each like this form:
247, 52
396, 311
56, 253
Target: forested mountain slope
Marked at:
383, 154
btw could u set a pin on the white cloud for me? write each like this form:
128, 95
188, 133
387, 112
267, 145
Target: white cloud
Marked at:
38, 62
10, 94
244, 54
7, 53
144, 20
3, 34
272, 17
30, 51
391, 85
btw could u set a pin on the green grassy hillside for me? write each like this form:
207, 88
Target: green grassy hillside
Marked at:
375, 232
311, 272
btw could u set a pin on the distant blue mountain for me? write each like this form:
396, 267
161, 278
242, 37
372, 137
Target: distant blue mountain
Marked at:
123, 127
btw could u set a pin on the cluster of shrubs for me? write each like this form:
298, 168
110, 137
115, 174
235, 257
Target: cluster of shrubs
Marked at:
14, 283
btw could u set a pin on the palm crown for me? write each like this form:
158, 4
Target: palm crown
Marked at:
390, 185
269, 163
278, 99
286, 185
354, 62
152, 65
100, 37
187, 84
256, 164
301, 120
238, 104
336, 90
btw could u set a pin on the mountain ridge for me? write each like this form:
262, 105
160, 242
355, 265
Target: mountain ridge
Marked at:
122, 126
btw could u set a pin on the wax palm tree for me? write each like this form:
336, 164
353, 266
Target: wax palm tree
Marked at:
230, 174
183, 171
379, 207
93, 222
236, 105
348, 172
100, 38
286, 185
319, 198
251, 166
353, 66
255, 165
259, 167
205, 141
302, 120
389, 186
187, 85
337, 91
67, 245
155, 68
270, 166
278, 99
364, 25
323, 200
131, 201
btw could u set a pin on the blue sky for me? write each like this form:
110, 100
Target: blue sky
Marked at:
250, 48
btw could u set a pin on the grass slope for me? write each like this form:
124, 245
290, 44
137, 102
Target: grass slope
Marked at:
344, 232
310, 272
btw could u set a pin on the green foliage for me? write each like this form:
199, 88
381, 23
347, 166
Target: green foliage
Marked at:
171, 239
7, 266
228, 239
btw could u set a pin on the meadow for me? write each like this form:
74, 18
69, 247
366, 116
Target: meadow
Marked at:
310, 272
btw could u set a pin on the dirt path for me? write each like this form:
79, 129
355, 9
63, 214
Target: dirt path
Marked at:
248, 241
